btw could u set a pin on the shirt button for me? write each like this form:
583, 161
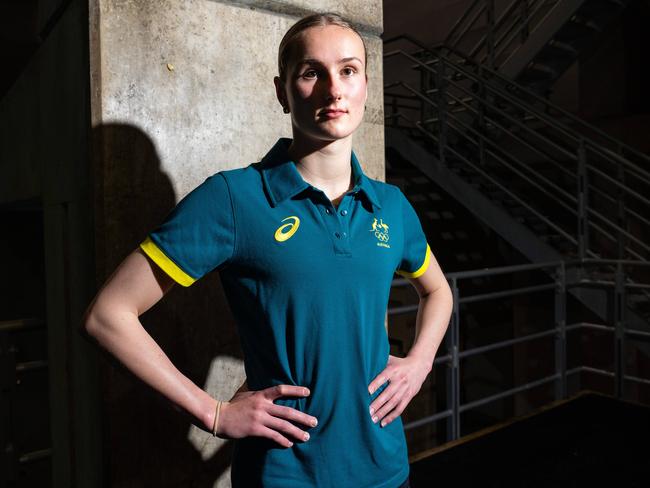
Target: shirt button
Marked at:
344, 212
344, 234
327, 210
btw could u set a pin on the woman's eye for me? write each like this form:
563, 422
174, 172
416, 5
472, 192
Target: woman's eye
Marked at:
309, 74
349, 71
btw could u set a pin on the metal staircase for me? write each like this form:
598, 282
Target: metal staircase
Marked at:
550, 184
532, 41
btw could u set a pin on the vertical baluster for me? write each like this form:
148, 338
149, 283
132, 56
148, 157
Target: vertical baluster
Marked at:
482, 129
583, 228
619, 341
560, 331
453, 375
424, 83
621, 217
524, 29
442, 109
490, 33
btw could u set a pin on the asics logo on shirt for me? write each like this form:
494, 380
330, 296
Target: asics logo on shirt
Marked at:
285, 231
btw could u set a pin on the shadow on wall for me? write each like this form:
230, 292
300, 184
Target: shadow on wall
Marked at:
146, 442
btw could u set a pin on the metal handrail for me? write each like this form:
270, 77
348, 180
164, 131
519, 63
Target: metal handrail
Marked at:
477, 97
505, 16
564, 129
548, 106
462, 19
512, 195
522, 202
582, 150
514, 121
622, 334
539, 176
540, 4
549, 121
21, 324
500, 30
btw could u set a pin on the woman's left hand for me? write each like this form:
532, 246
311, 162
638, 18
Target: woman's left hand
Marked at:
405, 377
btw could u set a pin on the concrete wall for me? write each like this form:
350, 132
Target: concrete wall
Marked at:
182, 89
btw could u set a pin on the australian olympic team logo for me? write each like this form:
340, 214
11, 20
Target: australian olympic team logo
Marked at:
381, 232
285, 231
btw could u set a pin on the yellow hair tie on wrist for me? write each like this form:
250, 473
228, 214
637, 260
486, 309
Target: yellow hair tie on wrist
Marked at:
216, 419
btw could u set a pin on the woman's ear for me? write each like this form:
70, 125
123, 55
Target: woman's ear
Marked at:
279, 92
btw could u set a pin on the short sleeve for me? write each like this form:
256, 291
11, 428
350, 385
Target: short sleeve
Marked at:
197, 235
416, 254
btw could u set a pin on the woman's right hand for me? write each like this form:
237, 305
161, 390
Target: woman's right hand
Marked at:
253, 413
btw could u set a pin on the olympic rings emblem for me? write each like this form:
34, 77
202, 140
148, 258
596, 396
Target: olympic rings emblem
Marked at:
381, 236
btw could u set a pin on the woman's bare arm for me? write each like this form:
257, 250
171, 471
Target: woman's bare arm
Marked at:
112, 320
406, 375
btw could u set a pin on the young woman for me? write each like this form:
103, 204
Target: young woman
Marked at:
306, 246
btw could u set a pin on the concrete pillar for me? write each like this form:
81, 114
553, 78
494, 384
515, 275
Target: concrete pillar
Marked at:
181, 89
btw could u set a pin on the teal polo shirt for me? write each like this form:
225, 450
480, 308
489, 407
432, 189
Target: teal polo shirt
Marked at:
308, 285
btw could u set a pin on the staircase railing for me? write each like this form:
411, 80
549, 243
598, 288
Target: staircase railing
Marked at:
490, 32
589, 188
554, 296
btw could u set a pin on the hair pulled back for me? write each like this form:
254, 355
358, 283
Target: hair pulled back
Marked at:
285, 51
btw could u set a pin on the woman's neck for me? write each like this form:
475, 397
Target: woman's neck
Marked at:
326, 167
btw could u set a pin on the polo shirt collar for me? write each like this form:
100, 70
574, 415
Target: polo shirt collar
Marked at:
282, 179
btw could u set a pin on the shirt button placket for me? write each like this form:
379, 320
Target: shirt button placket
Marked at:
333, 225
344, 223
337, 223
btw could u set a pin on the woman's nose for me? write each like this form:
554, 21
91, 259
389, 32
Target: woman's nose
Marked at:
333, 88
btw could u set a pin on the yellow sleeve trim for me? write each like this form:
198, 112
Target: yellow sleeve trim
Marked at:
166, 264
420, 271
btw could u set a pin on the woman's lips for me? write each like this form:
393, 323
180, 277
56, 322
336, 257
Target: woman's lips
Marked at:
332, 114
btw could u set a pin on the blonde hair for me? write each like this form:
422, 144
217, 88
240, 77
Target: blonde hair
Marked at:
285, 51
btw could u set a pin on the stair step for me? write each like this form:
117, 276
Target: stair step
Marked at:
576, 29
562, 47
537, 70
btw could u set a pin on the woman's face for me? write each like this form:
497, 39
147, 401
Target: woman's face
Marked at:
326, 83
